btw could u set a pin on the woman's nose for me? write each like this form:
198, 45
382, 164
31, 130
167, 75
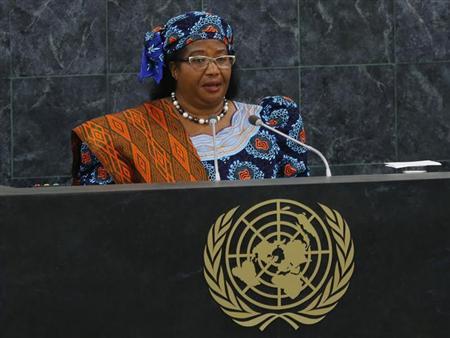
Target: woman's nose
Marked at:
212, 67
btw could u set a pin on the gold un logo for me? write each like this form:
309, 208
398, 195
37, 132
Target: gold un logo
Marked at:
279, 259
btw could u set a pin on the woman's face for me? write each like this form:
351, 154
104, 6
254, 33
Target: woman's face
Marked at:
202, 87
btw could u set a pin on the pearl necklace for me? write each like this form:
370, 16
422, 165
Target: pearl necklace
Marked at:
195, 119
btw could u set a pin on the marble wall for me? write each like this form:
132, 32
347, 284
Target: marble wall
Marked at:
372, 76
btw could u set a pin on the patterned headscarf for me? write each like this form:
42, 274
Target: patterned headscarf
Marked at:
177, 33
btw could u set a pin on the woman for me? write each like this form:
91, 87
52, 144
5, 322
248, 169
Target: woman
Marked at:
169, 139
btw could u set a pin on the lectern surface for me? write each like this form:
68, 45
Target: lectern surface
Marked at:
130, 261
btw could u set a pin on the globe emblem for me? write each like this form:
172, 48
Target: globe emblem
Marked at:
278, 255
278, 260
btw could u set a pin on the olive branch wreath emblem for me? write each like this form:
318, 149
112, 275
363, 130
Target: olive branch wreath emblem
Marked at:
315, 311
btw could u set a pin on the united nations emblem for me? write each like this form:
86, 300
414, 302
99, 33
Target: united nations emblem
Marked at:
278, 260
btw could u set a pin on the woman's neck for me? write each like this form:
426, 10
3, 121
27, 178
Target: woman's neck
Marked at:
193, 129
198, 109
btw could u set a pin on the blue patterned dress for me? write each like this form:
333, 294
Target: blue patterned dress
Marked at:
244, 151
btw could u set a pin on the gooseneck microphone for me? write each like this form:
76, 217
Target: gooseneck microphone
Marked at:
256, 121
212, 122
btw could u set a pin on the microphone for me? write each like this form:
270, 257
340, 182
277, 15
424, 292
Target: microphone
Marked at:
256, 121
212, 122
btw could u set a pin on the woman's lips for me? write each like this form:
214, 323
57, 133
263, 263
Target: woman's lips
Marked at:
212, 87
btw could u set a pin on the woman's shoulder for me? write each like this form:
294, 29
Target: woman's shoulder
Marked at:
273, 103
140, 109
270, 103
279, 111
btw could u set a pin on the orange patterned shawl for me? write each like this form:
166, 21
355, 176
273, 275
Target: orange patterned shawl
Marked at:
145, 144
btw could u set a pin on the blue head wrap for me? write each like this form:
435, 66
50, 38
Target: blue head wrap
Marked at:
177, 33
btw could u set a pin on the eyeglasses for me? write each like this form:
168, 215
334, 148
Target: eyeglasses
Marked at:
201, 62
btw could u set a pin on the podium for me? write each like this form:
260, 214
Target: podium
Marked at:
129, 260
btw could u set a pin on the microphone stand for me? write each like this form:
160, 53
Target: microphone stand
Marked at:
212, 122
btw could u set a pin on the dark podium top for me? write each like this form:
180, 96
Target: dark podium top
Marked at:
128, 261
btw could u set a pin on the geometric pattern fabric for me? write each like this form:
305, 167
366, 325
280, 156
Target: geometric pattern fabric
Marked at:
145, 144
